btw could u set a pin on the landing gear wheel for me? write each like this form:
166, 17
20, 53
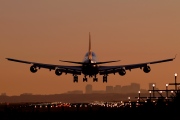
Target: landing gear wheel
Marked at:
84, 79
95, 79
105, 79
75, 78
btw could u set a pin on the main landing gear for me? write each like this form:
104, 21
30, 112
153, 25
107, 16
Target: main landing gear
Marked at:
75, 79
94, 79
85, 79
105, 78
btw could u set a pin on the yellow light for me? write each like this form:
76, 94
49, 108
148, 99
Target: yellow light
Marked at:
175, 74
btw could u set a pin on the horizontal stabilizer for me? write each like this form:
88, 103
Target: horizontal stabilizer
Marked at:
107, 62
71, 62
91, 63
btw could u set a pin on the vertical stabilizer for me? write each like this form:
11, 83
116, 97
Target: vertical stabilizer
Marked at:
90, 52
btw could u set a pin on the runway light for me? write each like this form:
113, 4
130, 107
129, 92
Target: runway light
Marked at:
175, 74
175, 81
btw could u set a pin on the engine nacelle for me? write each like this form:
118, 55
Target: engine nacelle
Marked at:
33, 69
147, 69
58, 72
122, 72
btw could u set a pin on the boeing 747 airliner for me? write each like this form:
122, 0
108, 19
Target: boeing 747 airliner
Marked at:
90, 67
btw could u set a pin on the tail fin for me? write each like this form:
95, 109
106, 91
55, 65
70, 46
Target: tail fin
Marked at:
89, 52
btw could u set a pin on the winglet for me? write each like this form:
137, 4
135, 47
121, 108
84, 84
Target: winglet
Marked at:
175, 56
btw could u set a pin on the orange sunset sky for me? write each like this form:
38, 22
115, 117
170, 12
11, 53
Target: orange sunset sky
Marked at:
46, 31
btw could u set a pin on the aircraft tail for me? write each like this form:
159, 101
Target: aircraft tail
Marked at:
89, 56
89, 51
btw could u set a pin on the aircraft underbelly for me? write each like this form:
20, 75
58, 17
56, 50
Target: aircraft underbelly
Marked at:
90, 70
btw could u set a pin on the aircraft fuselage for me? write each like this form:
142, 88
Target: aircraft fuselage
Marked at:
90, 69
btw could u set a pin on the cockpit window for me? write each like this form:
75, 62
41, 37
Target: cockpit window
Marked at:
94, 58
93, 54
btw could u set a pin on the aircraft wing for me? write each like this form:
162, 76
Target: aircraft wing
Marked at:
114, 69
67, 69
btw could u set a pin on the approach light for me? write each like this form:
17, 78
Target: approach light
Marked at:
175, 74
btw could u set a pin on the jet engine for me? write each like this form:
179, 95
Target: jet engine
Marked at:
147, 69
58, 72
33, 69
122, 72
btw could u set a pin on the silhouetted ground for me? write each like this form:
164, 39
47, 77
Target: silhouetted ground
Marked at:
160, 109
88, 116
146, 111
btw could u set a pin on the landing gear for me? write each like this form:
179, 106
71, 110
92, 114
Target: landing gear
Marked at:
105, 78
84, 79
95, 79
75, 78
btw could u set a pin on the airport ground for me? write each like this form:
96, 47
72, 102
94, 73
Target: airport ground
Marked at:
89, 111
167, 108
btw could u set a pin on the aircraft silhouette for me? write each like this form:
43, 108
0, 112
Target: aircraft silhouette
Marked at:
90, 66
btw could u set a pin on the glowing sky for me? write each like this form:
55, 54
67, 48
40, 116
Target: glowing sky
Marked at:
49, 30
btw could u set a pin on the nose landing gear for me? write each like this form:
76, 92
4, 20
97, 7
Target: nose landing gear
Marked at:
95, 79
105, 78
85, 79
75, 78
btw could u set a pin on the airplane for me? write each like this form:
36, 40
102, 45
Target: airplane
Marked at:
90, 66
